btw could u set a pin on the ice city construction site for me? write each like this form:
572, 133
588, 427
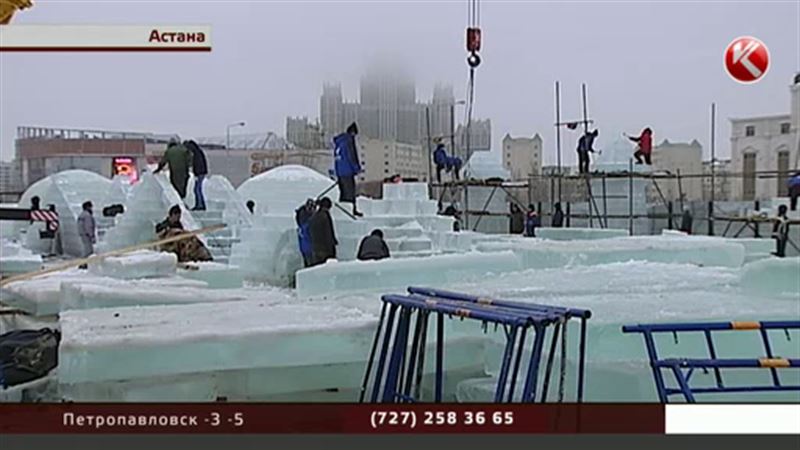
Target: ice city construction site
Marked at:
255, 325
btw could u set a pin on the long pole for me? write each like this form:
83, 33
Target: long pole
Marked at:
428, 121
630, 196
558, 137
228, 137
713, 163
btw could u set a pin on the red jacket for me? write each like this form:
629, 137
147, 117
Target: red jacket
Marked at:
646, 142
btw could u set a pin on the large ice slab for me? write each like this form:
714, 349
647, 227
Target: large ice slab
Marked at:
215, 275
538, 253
42, 296
773, 277
574, 234
126, 343
335, 277
138, 264
15, 260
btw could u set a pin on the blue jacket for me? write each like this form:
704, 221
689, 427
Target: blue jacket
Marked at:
345, 156
532, 221
440, 156
794, 181
304, 238
454, 162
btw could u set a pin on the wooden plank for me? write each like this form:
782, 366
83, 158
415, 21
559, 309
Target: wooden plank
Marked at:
122, 251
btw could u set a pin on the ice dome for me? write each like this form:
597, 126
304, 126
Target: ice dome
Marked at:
74, 183
616, 153
283, 189
483, 164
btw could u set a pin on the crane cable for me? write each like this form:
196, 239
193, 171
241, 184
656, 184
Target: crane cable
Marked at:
473, 60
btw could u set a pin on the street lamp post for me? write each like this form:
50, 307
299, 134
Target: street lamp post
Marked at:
228, 133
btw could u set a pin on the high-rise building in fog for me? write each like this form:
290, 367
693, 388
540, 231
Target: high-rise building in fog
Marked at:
331, 110
480, 136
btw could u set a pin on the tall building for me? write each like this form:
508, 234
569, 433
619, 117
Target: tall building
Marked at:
331, 110
766, 143
303, 134
685, 158
440, 110
522, 156
382, 159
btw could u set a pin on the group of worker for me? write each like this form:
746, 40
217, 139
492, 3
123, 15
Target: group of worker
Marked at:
526, 223
643, 153
181, 158
317, 237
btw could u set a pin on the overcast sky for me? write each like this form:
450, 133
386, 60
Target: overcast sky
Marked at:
657, 64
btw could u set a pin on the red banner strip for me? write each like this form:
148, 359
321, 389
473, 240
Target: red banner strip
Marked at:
330, 418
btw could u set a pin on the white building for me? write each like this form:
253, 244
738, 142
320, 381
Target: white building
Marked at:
763, 144
522, 156
684, 158
9, 180
381, 159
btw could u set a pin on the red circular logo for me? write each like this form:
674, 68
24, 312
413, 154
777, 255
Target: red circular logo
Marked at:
746, 59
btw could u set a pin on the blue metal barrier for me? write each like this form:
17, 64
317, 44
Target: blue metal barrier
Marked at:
683, 368
404, 365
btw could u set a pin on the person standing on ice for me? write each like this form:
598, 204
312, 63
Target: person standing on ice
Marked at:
794, 191
558, 217
532, 221
686, 221
780, 232
302, 216
179, 160
585, 146
86, 229
440, 160
516, 223
346, 165
645, 141
323, 237
200, 170
373, 247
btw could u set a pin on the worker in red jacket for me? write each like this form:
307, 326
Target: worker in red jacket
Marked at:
645, 141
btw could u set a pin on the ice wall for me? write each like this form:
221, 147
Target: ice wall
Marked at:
779, 277
281, 190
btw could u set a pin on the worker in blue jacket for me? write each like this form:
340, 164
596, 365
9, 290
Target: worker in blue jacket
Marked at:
440, 159
302, 215
346, 165
454, 163
794, 191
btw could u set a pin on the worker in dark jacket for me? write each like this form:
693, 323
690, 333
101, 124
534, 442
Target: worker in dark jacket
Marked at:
585, 146
532, 221
440, 159
302, 216
517, 222
794, 191
686, 221
347, 165
200, 170
179, 160
558, 216
454, 163
780, 232
323, 237
373, 247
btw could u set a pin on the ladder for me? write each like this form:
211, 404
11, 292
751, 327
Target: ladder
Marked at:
683, 368
400, 364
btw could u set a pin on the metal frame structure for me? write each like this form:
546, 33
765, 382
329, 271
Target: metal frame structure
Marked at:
683, 368
399, 371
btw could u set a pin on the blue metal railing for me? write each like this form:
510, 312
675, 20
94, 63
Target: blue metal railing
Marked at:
683, 368
400, 366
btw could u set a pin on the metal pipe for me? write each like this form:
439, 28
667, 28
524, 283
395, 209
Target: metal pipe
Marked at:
558, 136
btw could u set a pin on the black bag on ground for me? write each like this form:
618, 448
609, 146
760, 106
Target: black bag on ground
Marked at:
26, 355
113, 210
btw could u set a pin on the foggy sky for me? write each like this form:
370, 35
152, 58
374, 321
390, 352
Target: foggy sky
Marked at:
645, 63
